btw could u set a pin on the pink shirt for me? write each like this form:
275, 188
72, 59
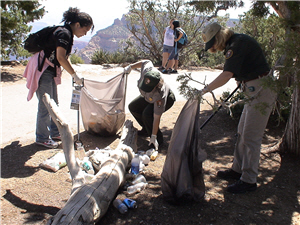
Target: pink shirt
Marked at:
32, 74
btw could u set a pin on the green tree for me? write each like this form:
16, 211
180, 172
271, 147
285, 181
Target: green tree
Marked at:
267, 30
289, 68
14, 18
75, 59
147, 20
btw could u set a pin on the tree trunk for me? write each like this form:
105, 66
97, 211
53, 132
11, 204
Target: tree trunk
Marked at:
290, 141
89, 201
291, 138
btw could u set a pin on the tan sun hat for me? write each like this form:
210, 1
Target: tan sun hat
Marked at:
209, 33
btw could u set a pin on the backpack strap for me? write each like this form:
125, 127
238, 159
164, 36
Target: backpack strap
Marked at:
40, 65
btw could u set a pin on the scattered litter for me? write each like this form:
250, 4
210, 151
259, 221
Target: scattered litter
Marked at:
136, 188
131, 204
55, 162
98, 157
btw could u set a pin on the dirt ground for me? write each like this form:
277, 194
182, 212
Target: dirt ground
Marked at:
30, 194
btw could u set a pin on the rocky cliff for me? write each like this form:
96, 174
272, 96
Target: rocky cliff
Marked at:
108, 39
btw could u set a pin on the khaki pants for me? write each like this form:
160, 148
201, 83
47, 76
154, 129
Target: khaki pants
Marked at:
251, 129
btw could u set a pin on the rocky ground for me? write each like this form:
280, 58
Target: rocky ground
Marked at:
30, 194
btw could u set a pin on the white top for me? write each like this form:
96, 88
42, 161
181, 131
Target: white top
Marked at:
169, 37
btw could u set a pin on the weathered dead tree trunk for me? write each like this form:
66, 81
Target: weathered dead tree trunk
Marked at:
67, 141
89, 202
290, 141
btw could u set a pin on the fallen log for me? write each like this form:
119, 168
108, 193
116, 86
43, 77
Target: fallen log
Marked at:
89, 202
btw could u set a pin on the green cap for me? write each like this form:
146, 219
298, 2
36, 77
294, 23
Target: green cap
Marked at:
151, 79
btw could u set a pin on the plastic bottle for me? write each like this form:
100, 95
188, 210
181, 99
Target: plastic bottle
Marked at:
79, 152
142, 166
145, 159
87, 166
131, 204
154, 155
149, 152
120, 206
136, 187
135, 164
139, 179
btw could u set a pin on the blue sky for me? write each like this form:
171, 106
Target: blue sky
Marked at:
103, 12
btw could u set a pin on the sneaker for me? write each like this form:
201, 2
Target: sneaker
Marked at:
166, 71
174, 71
241, 187
229, 174
161, 68
57, 138
48, 144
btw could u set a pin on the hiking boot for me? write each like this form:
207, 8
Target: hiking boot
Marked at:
241, 187
142, 132
229, 174
57, 138
48, 144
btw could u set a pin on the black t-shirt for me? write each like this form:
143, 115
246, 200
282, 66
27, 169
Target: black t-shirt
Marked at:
244, 58
62, 37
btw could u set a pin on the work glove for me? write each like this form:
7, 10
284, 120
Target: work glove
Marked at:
153, 141
127, 69
77, 78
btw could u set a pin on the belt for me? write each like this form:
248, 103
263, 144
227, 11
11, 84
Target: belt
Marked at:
260, 76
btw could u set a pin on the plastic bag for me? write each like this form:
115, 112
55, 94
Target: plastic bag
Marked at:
182, 175
55, 162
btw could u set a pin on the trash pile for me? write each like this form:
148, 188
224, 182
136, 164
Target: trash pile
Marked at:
135, 181
91, 162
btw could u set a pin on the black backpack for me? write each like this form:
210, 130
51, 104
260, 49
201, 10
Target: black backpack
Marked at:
41, 40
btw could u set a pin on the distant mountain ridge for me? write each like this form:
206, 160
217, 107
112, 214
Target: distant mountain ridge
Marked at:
108, 39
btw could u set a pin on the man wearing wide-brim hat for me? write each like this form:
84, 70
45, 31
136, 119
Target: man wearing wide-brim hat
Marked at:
156, 98
246, 63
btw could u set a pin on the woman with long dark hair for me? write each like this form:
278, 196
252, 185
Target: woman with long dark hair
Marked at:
46, 80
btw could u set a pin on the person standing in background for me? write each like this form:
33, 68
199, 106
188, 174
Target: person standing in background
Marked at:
168, 44
174, 56
46, 80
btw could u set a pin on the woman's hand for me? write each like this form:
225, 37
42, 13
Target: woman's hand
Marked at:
78, 79
127, 69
